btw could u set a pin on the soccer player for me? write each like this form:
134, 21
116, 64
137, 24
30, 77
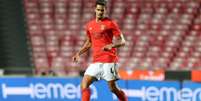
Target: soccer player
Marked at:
103, 36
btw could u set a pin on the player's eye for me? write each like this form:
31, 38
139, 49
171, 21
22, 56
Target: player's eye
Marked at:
102, 10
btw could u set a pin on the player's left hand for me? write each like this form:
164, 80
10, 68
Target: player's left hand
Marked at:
75, 58
107, 47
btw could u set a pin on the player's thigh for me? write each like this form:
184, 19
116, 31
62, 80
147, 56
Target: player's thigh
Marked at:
94, 70
110, 72
87, 81
90, 75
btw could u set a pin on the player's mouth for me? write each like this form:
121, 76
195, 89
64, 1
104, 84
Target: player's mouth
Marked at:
100, 15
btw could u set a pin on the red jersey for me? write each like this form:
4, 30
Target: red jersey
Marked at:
101, 34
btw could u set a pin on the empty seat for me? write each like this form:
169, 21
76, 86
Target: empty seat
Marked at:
160, 33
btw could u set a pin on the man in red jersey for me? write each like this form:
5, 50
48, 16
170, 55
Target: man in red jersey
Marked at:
100, 33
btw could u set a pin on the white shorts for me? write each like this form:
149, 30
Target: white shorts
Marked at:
106, 71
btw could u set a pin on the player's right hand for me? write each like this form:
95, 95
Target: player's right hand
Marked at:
76, 57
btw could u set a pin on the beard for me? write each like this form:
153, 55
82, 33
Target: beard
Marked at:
100, 16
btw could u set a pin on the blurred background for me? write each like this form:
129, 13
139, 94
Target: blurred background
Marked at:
39, 37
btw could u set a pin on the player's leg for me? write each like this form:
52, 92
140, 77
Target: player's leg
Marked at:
118, 92
111, 75
90, 76
86, 82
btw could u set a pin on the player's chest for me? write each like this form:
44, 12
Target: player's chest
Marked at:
99, 30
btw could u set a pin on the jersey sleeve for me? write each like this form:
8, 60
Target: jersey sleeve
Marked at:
115, 29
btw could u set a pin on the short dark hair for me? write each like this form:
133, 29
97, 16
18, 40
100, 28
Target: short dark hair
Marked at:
101, 2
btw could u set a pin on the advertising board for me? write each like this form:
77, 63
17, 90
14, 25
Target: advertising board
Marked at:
68, 89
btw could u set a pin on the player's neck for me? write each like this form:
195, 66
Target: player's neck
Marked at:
99, 20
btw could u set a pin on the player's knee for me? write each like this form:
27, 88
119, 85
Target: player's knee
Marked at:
84, 85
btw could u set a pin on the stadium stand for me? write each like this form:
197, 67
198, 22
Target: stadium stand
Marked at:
161, 34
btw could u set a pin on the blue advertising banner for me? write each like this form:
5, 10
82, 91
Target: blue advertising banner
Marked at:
51, 89
191, 91
68, 89
39, 89
153, 90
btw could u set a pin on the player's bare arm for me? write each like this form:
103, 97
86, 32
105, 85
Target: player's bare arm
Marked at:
119, 41
85, 47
